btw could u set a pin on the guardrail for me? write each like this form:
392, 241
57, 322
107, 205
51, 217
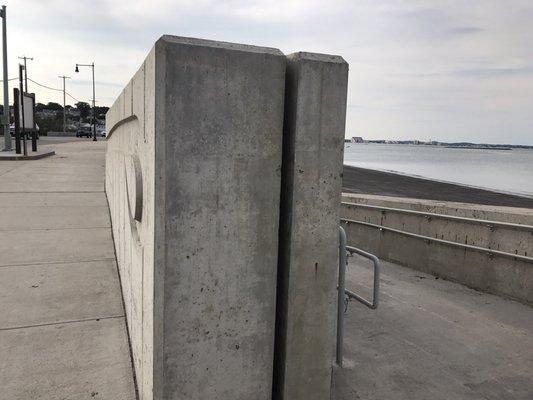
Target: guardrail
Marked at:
428, 215
342, 292
490, 252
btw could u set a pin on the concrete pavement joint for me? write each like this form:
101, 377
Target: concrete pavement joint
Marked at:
15, 167
10, 328
50, 191
58, 262
54, 229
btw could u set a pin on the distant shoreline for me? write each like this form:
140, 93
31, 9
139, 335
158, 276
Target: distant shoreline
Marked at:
385, 183
452, 145
477, 147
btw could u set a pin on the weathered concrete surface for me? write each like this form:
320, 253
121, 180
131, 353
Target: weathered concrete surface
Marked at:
198, 132
315, 106
494, 274
31, 155
71, 170
54, 217
58, 245
72, 360
433, 339
62, 326
222, 161
44, 294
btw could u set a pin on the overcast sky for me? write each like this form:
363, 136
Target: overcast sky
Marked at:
436, 69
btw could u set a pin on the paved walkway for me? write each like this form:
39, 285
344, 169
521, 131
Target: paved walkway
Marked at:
62, 325
433, 339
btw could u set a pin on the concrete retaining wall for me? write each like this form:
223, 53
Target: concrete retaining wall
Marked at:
492, 273
311, 185
130, 188
193, 180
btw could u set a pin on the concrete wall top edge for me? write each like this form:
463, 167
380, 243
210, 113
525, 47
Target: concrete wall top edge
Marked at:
377, 200
328, 58
221, 45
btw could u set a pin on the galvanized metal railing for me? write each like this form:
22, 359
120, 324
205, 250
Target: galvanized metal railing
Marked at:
488, 223
490, 252
343, 293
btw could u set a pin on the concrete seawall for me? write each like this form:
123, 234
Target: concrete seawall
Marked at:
482, 270
193, 179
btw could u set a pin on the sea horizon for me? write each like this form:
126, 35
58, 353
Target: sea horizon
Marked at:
488, 169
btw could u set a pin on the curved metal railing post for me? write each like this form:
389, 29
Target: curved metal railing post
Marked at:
341, 293
377, 271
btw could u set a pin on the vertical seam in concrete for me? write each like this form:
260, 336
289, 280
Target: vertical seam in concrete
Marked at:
284, 229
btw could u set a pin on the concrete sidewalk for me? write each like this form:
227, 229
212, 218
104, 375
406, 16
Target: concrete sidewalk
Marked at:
62, 325
433, 339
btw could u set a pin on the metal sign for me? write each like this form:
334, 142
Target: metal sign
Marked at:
28, 108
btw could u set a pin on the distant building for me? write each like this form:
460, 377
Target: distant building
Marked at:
357, 139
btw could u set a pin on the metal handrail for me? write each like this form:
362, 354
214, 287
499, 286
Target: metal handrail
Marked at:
342, 291
441, 241
341, 294
488, 223
377, 270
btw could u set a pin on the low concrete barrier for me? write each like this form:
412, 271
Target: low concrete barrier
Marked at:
193, 179
494, 228
61, 134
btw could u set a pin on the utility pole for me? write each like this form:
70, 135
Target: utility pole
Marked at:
94, 99
26, 71
5, 117
64, 103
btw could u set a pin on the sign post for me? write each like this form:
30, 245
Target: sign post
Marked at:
25, 115
5, 117
21, 110
16, 107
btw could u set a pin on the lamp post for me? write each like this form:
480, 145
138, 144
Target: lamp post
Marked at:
64, 103
5, 117
94, 100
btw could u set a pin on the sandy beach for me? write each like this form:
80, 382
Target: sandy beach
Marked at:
367, 181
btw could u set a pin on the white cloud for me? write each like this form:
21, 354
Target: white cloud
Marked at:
441, 69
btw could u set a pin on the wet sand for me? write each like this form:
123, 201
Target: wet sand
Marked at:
366, 181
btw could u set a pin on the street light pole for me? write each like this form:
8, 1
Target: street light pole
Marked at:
26, 71
5, 117
64, 103
94, 98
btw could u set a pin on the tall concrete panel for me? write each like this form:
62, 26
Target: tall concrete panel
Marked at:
223, 124
193, 183
315, 107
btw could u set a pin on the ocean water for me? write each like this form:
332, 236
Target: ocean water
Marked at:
509, 171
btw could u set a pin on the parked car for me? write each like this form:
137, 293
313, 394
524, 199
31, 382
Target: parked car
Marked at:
28, 134
84, 131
